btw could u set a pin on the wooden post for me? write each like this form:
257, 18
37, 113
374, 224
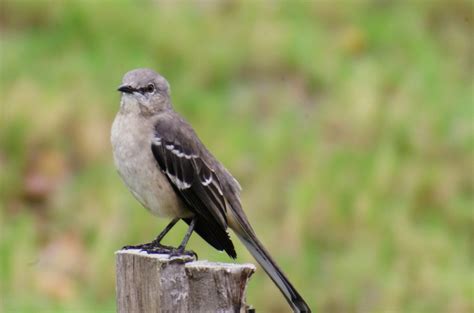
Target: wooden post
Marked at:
155, 283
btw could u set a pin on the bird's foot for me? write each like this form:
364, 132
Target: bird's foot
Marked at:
151, 247
180, 251
157, 248
172, 252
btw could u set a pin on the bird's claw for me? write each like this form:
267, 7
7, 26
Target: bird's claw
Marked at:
180, 251
151, 247
157, 248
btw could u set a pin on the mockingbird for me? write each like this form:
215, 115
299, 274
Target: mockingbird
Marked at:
172, 174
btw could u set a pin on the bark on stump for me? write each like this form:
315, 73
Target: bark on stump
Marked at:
153, 283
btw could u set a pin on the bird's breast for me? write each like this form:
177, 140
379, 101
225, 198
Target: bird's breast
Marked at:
131, 140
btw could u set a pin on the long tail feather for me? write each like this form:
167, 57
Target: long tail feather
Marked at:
250, 240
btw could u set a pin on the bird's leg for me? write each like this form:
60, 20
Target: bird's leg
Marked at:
165, 231
155, 244
180, 250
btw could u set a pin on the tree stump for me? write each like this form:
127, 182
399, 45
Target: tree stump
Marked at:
157, 283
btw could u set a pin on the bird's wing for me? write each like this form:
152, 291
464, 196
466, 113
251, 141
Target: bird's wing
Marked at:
185, 162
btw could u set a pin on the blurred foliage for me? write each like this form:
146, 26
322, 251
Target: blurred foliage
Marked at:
349, 124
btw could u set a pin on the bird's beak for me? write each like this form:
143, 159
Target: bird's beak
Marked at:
126, 89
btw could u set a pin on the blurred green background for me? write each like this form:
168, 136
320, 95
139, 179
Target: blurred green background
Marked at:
349, 125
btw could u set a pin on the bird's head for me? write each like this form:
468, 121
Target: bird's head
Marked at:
144, 91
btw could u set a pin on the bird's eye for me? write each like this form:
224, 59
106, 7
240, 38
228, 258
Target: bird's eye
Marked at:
150, 88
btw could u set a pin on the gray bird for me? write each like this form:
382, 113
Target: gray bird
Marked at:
172, 174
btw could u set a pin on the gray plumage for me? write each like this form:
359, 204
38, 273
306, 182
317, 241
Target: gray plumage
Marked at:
168, 169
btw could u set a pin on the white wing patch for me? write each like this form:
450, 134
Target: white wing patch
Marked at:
207, 181
179, 154
218, 189
180, 184
157, 141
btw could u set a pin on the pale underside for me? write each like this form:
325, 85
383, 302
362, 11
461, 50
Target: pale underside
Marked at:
138, 168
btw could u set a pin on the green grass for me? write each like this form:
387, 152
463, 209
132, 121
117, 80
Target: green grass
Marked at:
348, 124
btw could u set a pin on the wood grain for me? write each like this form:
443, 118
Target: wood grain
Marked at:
155, 283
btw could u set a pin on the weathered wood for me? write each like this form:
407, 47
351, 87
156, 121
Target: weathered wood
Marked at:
155, 283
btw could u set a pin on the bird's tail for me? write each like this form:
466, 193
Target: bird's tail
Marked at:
250, 240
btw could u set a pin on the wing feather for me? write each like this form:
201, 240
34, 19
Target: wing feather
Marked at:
195, 177
195, 180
